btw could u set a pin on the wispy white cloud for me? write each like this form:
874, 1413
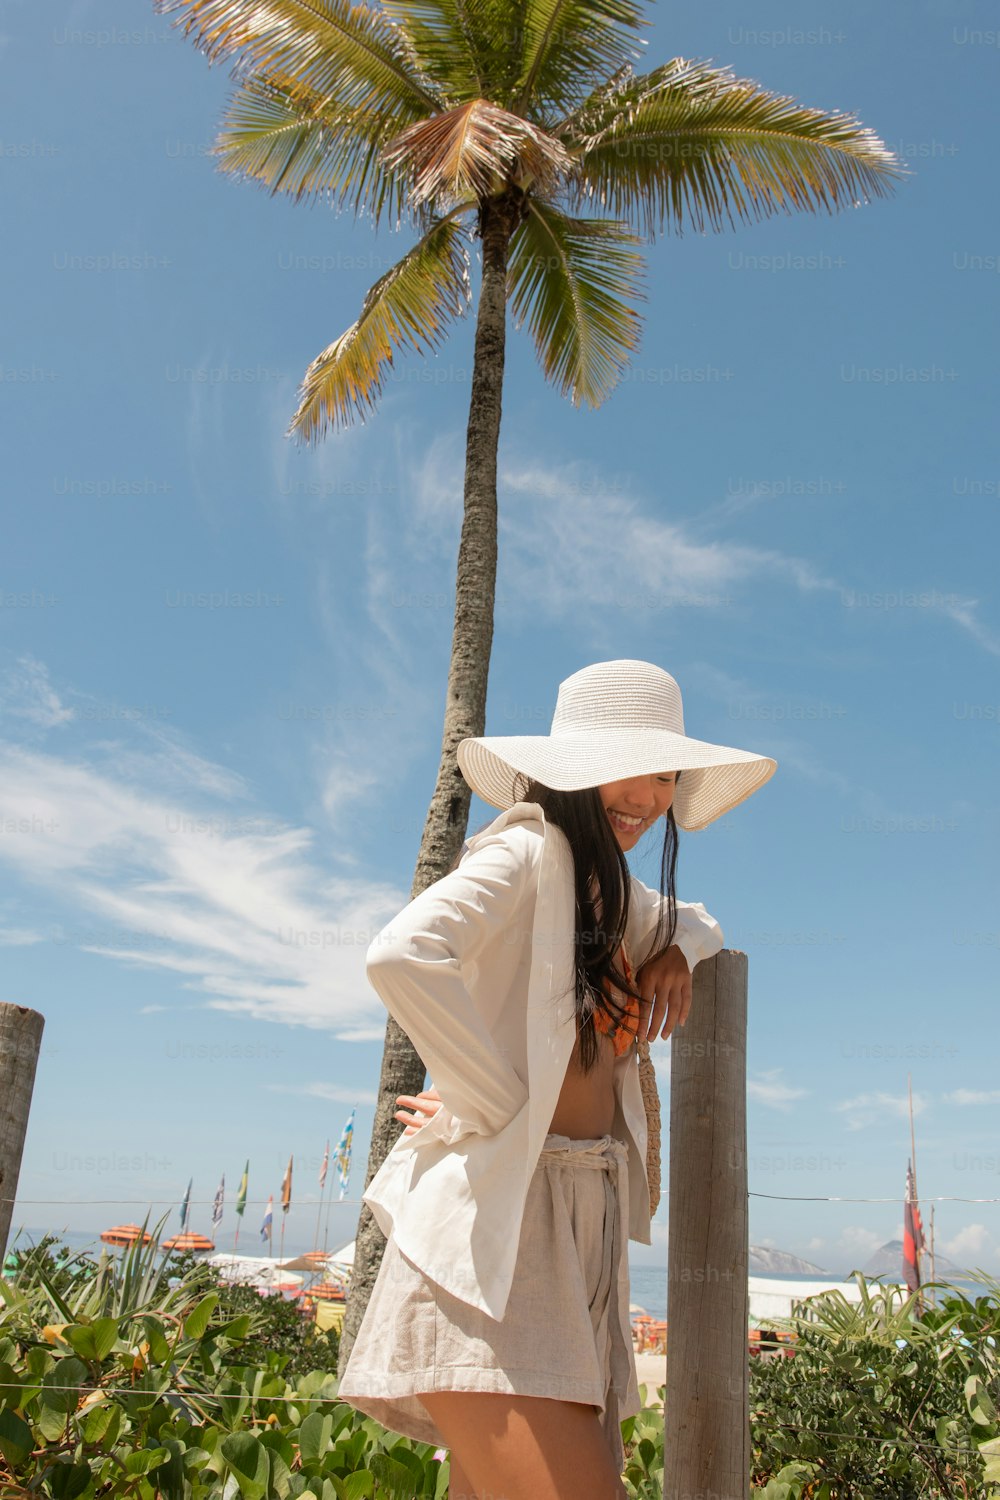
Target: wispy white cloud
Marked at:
972, 1096
864, 1110
335, 1092
963, 612
156, 852
26, 693
564, 540
971, 1241
20, 937
770, 1090
860, 1241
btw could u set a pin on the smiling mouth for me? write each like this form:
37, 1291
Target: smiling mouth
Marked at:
625, 823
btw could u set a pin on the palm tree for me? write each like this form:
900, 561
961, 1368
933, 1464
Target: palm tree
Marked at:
510, 121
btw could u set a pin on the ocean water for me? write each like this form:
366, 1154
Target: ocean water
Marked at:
649, 1289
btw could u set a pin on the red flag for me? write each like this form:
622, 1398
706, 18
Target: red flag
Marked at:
913, 1233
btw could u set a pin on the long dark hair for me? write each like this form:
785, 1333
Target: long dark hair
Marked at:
598, 855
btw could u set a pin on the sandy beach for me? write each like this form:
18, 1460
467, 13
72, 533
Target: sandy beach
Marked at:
651, 1370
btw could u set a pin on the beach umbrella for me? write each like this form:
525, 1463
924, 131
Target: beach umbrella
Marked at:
125, 1234
190, 1240
324, 1291
312, 1260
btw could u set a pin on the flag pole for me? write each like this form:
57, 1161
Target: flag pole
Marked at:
319, 1215
916, 1199
322, 1190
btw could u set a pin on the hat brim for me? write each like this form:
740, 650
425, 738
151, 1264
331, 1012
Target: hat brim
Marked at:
716, 777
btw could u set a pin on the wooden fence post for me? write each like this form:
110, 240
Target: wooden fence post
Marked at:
20, 1036
707, 1409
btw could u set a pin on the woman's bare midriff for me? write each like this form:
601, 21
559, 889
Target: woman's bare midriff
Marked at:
585, 1109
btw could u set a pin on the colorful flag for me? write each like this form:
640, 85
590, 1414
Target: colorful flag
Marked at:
913, 1232
241, 1196
185, 1206
326, 1163
286, 1188
265, 1228
219, 1200
344, 1153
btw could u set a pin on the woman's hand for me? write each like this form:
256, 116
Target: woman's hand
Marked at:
422, 1107
665, 985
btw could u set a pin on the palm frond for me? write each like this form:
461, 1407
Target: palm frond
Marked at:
570, 43
350, 54
568, 279
471, 47
407, 307
473, 151
302, 147
691, 143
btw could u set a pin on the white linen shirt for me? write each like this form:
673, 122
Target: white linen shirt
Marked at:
478, 970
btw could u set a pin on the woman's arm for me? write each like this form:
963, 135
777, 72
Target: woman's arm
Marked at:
415, 965
698, 934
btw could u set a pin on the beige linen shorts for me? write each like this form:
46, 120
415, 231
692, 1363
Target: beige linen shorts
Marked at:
565, 1332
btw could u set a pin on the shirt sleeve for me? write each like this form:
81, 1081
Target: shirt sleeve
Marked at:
698, 934
415, 964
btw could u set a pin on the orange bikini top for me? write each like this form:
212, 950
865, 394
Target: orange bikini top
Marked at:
623, 1033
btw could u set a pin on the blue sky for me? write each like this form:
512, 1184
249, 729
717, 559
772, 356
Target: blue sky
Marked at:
224, 655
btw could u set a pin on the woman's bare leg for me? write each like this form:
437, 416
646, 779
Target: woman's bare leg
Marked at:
512, 1447
459, 1484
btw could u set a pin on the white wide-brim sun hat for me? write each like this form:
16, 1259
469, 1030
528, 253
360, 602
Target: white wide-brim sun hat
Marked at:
614, 720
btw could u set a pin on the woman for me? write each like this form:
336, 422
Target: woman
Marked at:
498, 1325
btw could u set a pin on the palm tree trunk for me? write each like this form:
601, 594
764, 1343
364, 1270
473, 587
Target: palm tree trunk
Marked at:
403, 1072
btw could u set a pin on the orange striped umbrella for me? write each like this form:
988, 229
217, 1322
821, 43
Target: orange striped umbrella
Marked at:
188, 1241
124, 1234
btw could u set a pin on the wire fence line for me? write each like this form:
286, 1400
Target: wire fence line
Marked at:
354, 1202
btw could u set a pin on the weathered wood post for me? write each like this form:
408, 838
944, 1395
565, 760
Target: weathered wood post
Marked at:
20, 1036
706, 1418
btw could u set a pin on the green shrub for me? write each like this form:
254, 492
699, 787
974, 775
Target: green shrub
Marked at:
132, 1379
879, 1402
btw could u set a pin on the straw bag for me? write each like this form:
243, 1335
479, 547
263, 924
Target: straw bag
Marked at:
651, 1099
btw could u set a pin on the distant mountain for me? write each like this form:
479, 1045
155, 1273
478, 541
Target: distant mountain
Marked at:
888, 1261
764, 1262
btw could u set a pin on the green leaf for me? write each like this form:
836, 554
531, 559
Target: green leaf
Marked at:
159, 1346
197, 1321
66, 1481
977, 1398
236, 1329
10, 1386
55, 1402
396, 1479
991, 1453
359, 1485
689, 142
314, 1436
350, 54
93, 1341
168, 1477
16, 1440
95, 1422
409, 306
247, 1459
143, 1459
566, 43
569, 280
301, 144
944, 1432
